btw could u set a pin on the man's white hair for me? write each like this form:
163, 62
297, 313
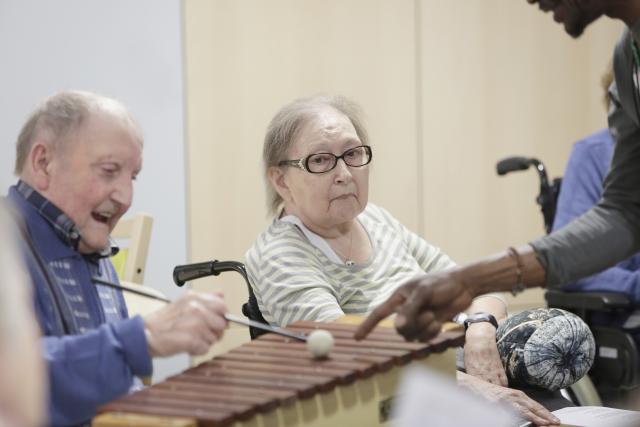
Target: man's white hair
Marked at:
61, 114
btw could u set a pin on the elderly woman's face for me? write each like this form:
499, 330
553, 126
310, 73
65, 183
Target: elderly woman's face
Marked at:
332, 198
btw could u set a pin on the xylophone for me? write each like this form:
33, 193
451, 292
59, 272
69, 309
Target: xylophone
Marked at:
274, 381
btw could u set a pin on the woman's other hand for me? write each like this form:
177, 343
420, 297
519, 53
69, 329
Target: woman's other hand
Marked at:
528, 408
481, 357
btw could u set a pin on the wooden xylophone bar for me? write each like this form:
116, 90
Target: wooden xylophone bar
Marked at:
273, 381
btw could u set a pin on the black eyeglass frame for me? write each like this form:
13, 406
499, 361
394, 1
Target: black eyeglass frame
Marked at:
304, 162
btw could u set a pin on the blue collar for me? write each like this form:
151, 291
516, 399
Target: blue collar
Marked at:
63, 226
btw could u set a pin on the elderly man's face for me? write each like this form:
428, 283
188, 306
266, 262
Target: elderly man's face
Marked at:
91, 178
326, 200
576, 15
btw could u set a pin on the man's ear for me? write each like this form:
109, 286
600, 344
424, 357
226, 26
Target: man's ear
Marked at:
39, 165
276, 176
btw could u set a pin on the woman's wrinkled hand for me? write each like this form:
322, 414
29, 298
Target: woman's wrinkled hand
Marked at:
526, 407
481, 357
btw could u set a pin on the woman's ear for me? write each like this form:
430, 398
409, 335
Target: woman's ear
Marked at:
277, 179
39, 165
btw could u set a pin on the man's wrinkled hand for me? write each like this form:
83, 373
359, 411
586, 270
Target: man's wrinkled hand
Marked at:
191, 324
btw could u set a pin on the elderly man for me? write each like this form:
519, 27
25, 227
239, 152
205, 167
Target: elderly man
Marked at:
605, 235
77, 157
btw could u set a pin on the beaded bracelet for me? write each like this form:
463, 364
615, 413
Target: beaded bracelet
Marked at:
519, 286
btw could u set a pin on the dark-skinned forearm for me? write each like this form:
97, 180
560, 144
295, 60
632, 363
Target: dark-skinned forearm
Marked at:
499, 272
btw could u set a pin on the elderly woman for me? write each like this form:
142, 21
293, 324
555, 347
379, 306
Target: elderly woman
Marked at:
329, 252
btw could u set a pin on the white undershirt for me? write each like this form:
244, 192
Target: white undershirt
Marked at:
315, 239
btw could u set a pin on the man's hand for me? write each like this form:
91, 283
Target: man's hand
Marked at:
481, 357
421, 304
190, 324
528, 408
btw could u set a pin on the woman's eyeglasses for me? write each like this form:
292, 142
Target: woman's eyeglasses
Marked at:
324, 162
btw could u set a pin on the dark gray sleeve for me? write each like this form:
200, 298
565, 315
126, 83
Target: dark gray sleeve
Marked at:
610, 231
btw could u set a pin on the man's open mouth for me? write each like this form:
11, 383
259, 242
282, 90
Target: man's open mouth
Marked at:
102, 217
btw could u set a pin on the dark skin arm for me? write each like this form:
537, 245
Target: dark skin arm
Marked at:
424, 303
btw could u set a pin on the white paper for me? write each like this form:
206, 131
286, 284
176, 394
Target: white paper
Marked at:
427, 398
597, 416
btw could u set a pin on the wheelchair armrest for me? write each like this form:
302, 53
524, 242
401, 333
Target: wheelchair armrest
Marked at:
597, 301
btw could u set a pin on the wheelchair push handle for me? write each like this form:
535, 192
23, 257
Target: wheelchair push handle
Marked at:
187, 272
512, 164
548, 197
519, 163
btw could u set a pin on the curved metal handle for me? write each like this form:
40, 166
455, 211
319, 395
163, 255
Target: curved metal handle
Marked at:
187, 272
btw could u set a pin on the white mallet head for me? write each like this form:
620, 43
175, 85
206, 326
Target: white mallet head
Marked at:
320, 343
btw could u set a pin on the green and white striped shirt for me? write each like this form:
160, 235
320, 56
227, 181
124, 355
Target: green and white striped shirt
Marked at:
294, 280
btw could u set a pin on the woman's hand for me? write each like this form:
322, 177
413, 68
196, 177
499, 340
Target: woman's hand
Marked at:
528, 408
481, 357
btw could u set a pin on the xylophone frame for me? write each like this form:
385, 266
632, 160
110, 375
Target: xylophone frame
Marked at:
355, 386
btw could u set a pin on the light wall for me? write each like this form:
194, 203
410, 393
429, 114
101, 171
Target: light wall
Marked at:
448, 88
499, 78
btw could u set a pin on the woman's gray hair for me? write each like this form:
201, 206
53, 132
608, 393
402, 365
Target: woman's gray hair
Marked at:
59, 115
287, 123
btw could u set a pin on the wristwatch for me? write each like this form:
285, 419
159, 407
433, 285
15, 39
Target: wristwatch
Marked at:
480, 317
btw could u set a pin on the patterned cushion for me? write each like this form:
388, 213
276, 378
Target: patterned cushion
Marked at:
546, 348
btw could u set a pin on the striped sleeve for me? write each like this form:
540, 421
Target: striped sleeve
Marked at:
288, 279
430, 257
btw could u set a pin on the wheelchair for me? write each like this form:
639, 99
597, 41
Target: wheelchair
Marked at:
616, 367
185, 273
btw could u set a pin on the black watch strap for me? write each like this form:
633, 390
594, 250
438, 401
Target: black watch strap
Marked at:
480, 317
